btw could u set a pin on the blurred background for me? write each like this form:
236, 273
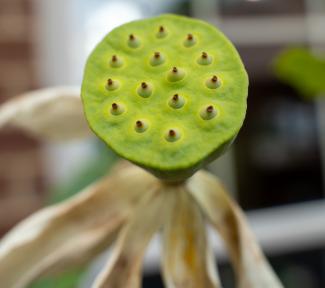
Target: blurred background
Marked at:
276, 168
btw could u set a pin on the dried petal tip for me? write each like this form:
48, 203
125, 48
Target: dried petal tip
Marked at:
145, 89
204, 59
157, 59
213, 82
141, 126
116, 62
161, 32
133, 41
208, 112
172, 135
111, 84
189, 40
175, 74
116, 109
176, 101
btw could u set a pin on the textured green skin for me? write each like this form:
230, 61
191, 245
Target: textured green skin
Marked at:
201, 140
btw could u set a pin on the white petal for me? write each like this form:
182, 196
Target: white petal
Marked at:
73, 231
187, 259
124, 266
53, 113
252, 269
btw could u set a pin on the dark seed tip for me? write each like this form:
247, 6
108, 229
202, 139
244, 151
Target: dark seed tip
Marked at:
131, 37
139, 124
214, 78
204, 55
175, 97
114, 106
189, 37
144, 85
114, 58
172, 133
174, 69
161, 29
210, 109
157, 55
110, 82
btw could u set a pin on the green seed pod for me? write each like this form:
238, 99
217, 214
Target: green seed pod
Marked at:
116, 62
171, 136
157, 59
175, 74
112, 84
176, 101
133, 41
162, 33
204, 59
145, 89
189, 40
117, 109
141, 126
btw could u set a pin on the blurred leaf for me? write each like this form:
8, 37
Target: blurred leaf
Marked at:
95, 169
69, 279
303, 70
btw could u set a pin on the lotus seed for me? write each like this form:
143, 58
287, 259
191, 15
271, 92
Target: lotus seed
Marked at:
145, 89
157, 59
133, 41
189, 40
213, 82
140, 126
116, 62
176, 101
204, 59
112, 84
175, 74
117, 109
172, 135
208, 112
162, 33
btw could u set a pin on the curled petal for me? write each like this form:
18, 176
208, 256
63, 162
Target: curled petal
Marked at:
51, 113
187, 259
251, 267
124, 267
71, 232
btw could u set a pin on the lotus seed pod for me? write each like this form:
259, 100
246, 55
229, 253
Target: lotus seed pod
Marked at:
179, 96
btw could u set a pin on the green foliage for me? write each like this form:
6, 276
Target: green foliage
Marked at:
68, 279
130, 85
303, 70
94, 169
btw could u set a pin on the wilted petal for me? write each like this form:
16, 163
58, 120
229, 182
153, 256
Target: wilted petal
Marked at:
72, 231
52, 113
187, 260
124, 266
252, 269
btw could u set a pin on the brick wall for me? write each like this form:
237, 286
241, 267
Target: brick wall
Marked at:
20, 164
